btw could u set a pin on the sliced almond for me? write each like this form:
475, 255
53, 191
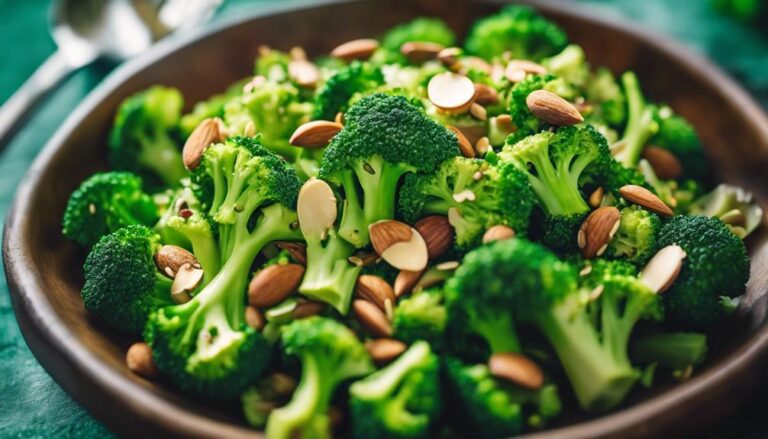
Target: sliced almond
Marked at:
420, 51
139, 360
375, 290
451, 92
386, 233
169, 258
316, 207
526, 66
504, 123
249, 130
355, 49
663, 268
483, 146
474, 63
517, 369
664, 163
499, 232
204, 135
254, 318
553, 109
364, 258
596, 198
307, 308
449, 56
598, 230
448, 265
406, 281
315, 134
645, 198
372, 318
437, 233
478, 111
297, 251
297, 53
384, 350
485, 94
464, 145
274, 284
411, 255
339, 118
431, 278
187, 279
304, 73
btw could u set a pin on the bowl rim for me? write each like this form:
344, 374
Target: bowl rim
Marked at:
52, 343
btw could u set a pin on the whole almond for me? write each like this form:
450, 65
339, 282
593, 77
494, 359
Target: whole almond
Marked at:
375, 290
499, 232
254, 318
598, 230
596, 198
304, 73
665, 164
169, 258
372, 318
384, 350
406, 281
464, 145
645, 198
187, 279
297, 251
315, 134
449, 56
274, 284
420, 51
437, 233
451, 92
139, 360
355, 49
553, 109
386, 233
517, 369
204, 135
485, 94
662, 270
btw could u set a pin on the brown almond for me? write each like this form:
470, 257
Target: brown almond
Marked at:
254, 318
171, 257
297, 251
499, 232
504, 123
139, 360
553, 109
204, 135
645, 198
355, 49
486, 95
409, 255
364, 258
464, 145
307, 308
187, 279
375, 290
596, 198
598, 230
517, 369
315, 134
384, 350
517, 69
478, 111
451, 92
304, 73
406, 281
449, 56
437, 233
386, 233
475, 63
274, 284
662, 270
420, 51
372, 318
665, 164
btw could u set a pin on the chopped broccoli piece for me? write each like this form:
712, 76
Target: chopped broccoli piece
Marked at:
642, 123
339, 89
636, 238
421, 316
679, 137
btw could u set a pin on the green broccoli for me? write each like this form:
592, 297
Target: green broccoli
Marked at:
604, 92
336, 92
104, 203
271, 392
402, 400
636, 238
145, 137
679, 137
716, 265
272, 64
473, 194
642, 123
122, 283
212, 107
421, 316
385, 137
670, 350
571, 65
517, 29
329, 353
422, 29
191, 223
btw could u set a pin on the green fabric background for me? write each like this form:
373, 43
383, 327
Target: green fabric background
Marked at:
33, 405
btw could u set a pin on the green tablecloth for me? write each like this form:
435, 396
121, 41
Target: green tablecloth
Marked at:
31, 403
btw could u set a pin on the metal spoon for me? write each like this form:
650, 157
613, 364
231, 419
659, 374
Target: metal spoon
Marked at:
86, 30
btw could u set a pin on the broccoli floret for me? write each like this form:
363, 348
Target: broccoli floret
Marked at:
636, 238
473, 194
270, 392
642, 123
604, 92
104, 203
400, 401
210, 108
518, 280
272, 64
336, 92
571, 65
145, 138
122, 282
329, 353
517, 29
671, 350
494, 409
422, 29
197, 230
716, 265
733, 205
384, 138
524, 120
679, 137
421, 316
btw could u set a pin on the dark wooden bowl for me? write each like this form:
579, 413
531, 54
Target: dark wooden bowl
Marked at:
87, 359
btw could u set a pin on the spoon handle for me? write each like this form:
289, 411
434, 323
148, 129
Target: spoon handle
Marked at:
17, 107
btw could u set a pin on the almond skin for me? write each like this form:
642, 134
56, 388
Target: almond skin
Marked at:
598, 230
169, 258
596, 198
274, 284
405, 281
296, 250
499, 232
420, 51
384, 350
645, 198
665, 164
355, 49
485, 94
372, 318
375, 290
449, 56
553, 109
315, 134
437, 233
139, 360
464, 145
386, 233
204, 135
254, 318
517, 369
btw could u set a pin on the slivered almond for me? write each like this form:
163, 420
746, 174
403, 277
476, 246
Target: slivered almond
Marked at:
420, 51
139, 360
482, 146
372, 318
504, 123
274, 284
451, 92
464, 146
598, 230
449, 56
169, 258
409, 255
355, 49
663, 268
405, 281
664, 163
315, 134
384, 350
645, 198
208, 132
364, 258
596, 198
474, 63
478, 111
517, 69
517, 369
254, 318
485, 94
499, 232
339, 118
297, 251
316, 207
437, 233
304, 73
386, 233
553, 109
187, 279
375, 290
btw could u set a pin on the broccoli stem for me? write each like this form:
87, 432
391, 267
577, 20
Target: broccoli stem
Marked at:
557, 189
673, 350
499, 332
329, 277
641, 124
162, 155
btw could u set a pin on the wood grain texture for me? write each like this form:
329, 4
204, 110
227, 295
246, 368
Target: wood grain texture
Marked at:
86, 357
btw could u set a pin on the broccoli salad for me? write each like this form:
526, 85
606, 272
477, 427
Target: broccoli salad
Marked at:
411, 238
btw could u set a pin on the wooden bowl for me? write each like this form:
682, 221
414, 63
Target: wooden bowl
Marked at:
87, 358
